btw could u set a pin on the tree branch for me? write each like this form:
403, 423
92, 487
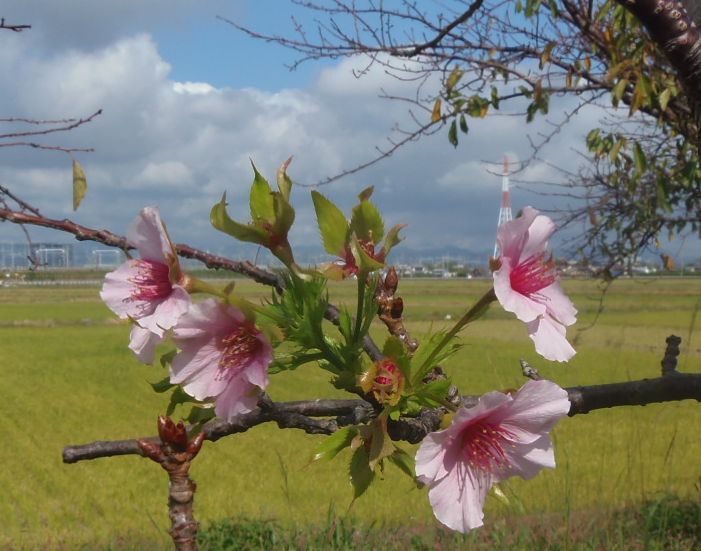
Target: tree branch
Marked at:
299, 415
14, 28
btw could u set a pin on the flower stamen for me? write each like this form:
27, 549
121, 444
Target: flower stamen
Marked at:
483, 446
238, 348
533, 274
151, 281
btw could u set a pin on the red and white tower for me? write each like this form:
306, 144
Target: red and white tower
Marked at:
505, 207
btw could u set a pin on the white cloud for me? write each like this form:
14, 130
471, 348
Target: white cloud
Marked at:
165, 175
193, 88
181, 144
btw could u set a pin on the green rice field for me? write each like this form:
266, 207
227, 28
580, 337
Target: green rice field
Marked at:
67, 377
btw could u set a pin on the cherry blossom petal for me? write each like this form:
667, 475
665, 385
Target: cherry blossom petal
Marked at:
166, 313
539, 232
237, 399
148, 234
222, 356
143, 343
512, 301
504, 435
558, 305
457, 499
549, 338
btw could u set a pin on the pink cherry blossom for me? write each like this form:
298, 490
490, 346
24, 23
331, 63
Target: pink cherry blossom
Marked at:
222, 356
502, 436
147, 290
526, 283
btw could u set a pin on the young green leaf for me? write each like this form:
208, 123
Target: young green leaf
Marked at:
366, 222
163, 385
284, 183
381, 445
261, 200
361, 475
339, 440
332, 225
404, 461
243, 232
392, 239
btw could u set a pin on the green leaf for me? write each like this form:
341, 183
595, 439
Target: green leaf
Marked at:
433, 394
200, 414
640, 159
361, 475
381, 445
284, 215
404, 461
167, 358
393, 347
453, 134
619, 89
392, 239
463, 124
261, 201
178, 397
366, 222
80, 184
243, 232
284, 183
163, 385
339, 440
332, 223
366, 193
345, 325
664, 98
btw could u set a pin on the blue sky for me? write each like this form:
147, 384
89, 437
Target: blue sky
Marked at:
188, 101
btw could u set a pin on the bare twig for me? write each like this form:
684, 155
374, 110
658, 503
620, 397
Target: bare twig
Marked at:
11, 27
67, 125
529, 371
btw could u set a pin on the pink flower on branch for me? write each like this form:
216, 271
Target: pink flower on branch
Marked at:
502, 436
149, 290
526, 283
222, 356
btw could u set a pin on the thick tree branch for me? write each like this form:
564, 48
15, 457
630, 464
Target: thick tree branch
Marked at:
584, 399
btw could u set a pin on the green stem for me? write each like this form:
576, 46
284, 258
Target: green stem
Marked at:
469, 316
359, 310
195, 285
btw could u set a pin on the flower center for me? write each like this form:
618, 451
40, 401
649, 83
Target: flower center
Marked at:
385, 380
238, 349
151, 280
483, 446
351, 267
533, 274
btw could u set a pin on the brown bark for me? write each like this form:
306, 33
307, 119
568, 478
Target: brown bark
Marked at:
671, 386
175, 452
677, 35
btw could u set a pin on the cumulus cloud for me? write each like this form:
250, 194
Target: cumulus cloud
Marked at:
181, 144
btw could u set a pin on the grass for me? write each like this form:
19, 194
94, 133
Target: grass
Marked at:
67, 377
